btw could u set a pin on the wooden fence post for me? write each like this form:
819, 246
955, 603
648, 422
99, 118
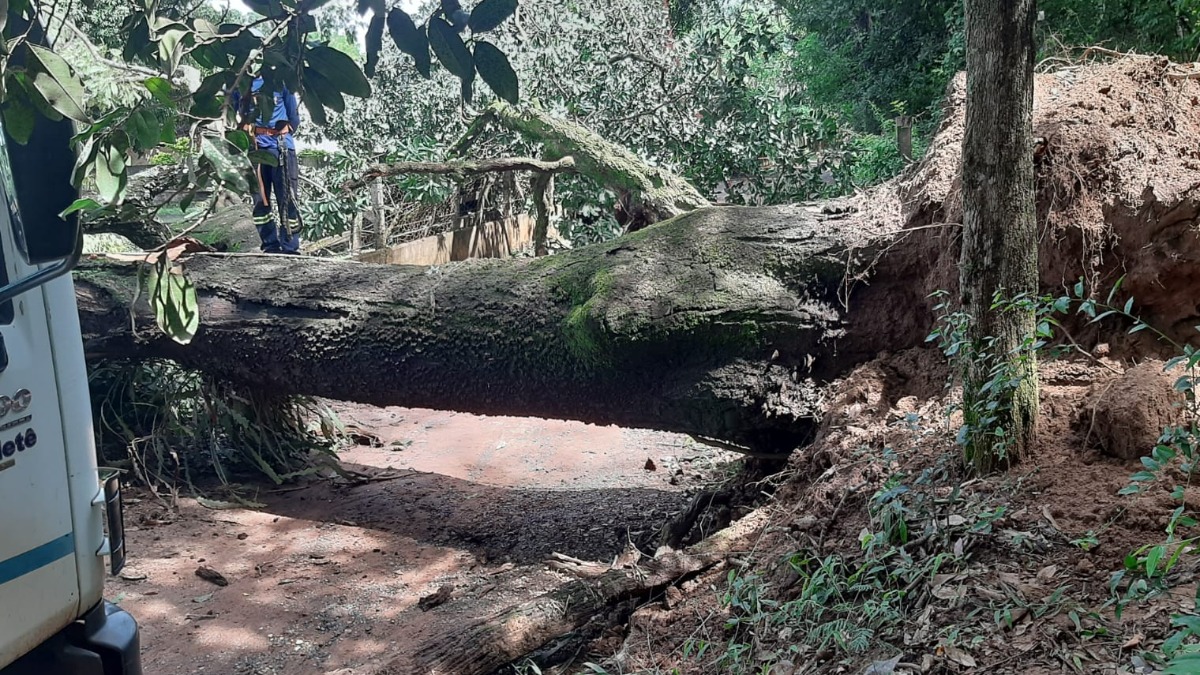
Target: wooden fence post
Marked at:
381, 228
904, 137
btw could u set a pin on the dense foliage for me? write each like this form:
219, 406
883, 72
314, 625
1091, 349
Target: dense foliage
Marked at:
864, 60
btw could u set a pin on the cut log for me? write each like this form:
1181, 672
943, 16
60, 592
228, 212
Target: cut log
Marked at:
721, 323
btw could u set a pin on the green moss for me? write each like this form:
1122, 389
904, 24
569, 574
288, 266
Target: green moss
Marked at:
583, 329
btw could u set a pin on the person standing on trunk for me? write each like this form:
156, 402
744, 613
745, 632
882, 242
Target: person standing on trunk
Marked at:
280, 183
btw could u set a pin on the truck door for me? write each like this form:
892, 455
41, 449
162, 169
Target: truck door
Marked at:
39, 590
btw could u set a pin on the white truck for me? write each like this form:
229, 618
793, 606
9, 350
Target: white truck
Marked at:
59, 516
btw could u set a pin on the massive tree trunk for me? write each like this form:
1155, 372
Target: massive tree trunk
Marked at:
720, 323
999, 252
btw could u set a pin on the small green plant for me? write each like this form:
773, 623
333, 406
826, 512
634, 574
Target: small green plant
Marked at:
998, 374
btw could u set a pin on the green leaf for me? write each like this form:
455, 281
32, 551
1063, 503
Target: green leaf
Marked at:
410, 39
489, 14
137, 40
1184, 664
240, 139
80, 205
19, 119
263, 157
229, 172
173, 299
315, 107
145, 129
374, 43
1152, 560
110, 174
339, 69
57, 83
450, 49
315, 83
159, 88
494, 68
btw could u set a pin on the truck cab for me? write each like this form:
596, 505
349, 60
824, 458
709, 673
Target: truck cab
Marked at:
60, 514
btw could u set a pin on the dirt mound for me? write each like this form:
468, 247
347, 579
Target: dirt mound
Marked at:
1123, 417
1118, 166
880, 550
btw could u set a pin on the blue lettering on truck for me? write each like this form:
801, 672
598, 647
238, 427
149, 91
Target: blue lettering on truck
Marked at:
22, 442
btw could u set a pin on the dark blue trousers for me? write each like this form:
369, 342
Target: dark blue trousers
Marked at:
282, 185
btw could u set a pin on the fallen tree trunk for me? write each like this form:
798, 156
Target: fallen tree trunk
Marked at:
721, 323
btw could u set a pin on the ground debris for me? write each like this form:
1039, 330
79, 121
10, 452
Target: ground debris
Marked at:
212, 576
441, 597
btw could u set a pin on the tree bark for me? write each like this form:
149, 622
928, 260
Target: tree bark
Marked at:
461, 168
999, 252
722, 323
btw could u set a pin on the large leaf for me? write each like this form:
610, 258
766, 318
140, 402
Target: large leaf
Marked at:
450, 50
145, 129
160, 88
19, 119
315, 83
339, 69
173, 299
315, 107
494, 68
489, 14
410, 39
55, 81
172, 47
230, 169
137, 39
374, 43
110, 174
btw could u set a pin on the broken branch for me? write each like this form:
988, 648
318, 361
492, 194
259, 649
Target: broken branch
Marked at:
461, 168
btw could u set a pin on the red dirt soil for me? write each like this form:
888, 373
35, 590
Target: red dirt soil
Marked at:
329, 577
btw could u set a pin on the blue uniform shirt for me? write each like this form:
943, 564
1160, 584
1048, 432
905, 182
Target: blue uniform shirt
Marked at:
285, 111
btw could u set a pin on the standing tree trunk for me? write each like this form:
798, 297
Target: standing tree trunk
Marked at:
999, 253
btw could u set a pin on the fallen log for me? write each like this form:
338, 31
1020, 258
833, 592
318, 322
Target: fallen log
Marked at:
461, 168
485, 646
722, 323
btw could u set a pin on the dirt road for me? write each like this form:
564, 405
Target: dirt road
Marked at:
330, 577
